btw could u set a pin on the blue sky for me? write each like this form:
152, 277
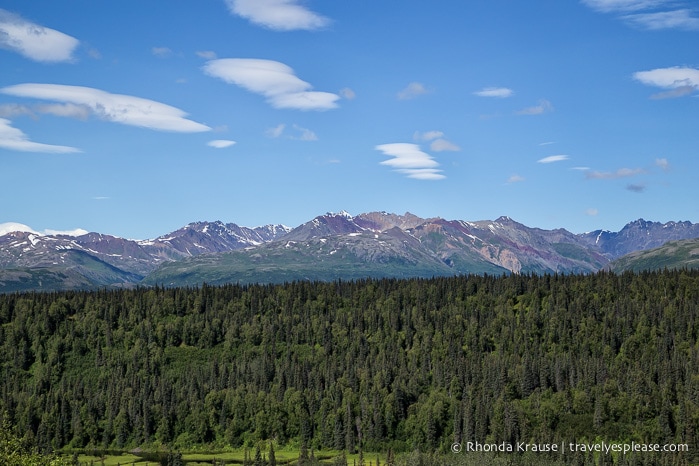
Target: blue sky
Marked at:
135, 118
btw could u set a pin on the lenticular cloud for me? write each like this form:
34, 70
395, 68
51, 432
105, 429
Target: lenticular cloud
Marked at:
411, 161
34, 41
279, 15
272, 79
118, 108
12, 138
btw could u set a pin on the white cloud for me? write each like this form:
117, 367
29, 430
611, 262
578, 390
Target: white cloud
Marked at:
515, 179
10, 227
500, 92
220, 143
14, 139
679, 80
422, 173
117, 108
544, 107
410, 160
35, 42
76, 232
591, 211
553, 158
272, 79
412, 90
279, 15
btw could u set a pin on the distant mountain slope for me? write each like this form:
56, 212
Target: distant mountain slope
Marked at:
377, 244
43, 279
639, 235
358, 256
330, 246
672, 255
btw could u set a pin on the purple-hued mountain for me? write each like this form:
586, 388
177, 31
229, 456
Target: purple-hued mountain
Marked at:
375, 243
640, 235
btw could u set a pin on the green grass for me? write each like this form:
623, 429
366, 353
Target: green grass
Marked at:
235, 456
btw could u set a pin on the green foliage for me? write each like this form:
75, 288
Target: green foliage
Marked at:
15, 452
368, 365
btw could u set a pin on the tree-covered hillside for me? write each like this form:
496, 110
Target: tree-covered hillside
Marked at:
372, 365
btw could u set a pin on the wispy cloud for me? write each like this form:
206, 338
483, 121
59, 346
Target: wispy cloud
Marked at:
207, 54
304, 134
610, 6
427, 135
14, 139
437, 141
296, 132
117, 108
620, 173
677, 19
276, 132
272, 79
663, 164
442, 145
347, 93
409, 160
161, 52
544, 106
80, 112
13, 110
500, 92
591, 211
278, 15
220, 143
515, 179
650, 14
674, 93
679, 81
412, 90
34, 41
553, 158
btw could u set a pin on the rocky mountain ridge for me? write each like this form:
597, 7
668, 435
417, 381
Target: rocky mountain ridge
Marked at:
368, 244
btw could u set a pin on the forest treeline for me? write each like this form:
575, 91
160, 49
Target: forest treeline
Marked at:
371, 364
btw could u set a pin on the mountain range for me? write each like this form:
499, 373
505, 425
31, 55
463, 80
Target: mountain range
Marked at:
328, 247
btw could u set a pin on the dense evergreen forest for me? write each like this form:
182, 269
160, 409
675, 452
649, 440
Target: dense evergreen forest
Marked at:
371, 365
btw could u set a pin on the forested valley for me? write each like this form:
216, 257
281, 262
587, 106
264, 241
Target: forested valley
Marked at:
366, 365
